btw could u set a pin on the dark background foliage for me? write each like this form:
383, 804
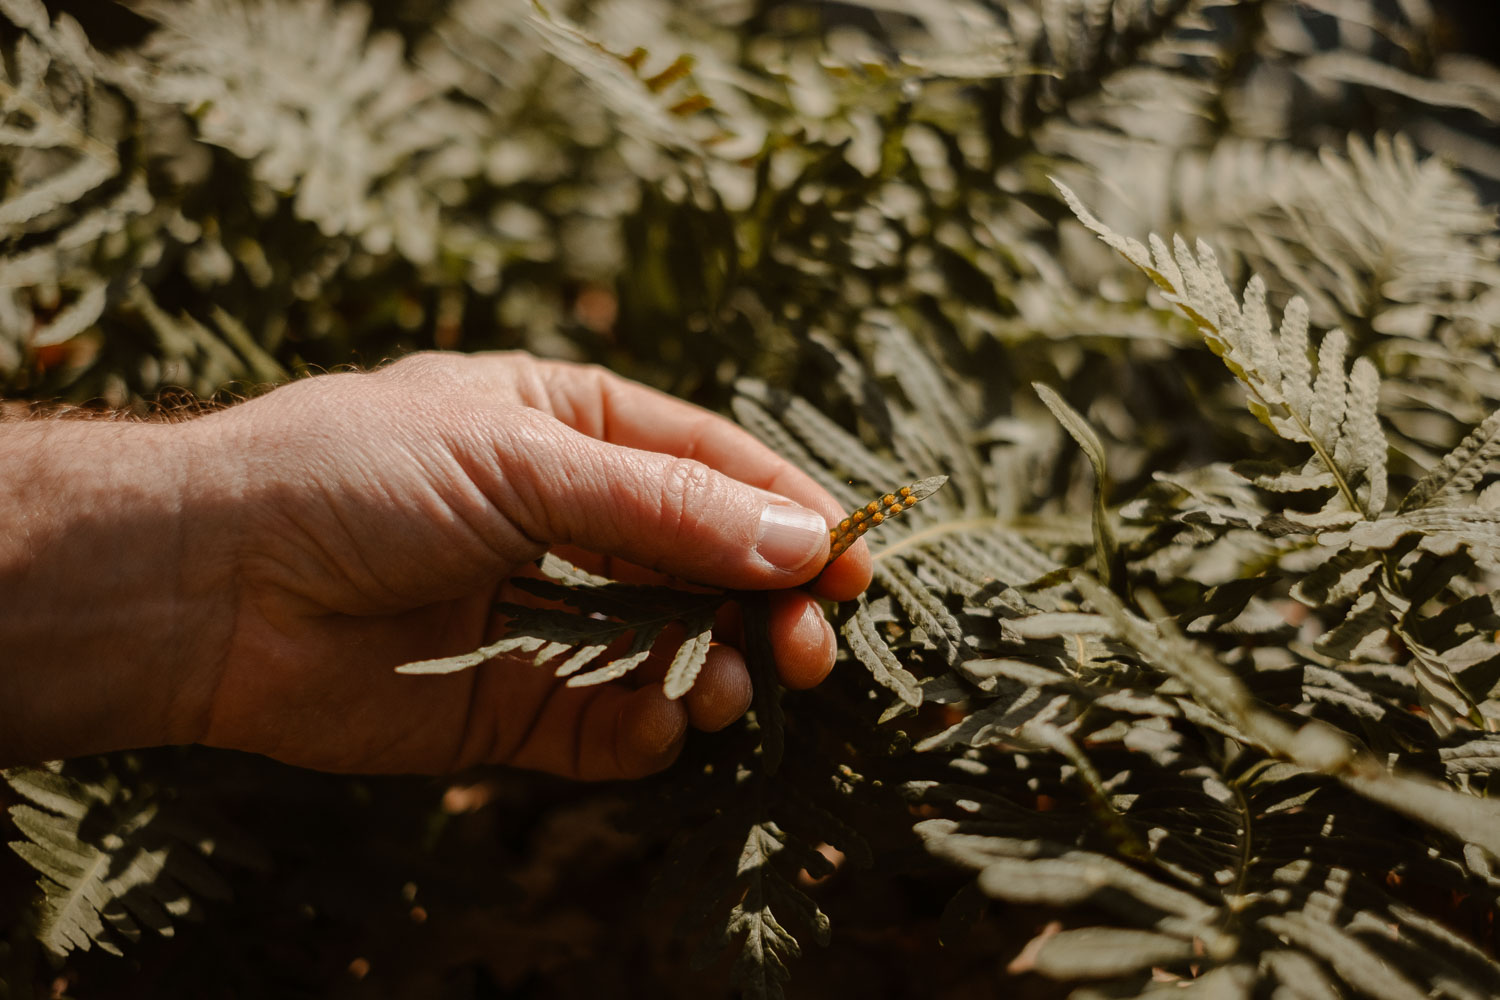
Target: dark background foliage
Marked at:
834, 220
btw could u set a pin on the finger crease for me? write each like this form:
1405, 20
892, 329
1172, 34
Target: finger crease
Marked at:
531, 726
579, 730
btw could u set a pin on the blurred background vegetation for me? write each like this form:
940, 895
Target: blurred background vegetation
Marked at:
832, 201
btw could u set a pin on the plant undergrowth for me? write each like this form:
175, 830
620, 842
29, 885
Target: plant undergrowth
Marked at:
1184, 682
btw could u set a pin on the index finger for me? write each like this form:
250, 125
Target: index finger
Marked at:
603, 405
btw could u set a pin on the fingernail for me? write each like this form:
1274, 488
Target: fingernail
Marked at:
789, 535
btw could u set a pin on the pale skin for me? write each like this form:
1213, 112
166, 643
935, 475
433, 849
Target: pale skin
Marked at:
251, 578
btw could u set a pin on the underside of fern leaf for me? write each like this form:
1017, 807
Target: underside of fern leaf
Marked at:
608, 629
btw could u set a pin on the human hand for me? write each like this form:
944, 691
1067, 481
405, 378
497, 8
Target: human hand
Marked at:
361, 521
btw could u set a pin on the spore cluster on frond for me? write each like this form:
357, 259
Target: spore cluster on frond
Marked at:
1187, 676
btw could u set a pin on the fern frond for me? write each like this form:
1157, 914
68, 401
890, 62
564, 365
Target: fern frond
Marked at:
1270, 851
751, 834
52, 115
1382, 235
756, 408
868, 646
941, 433
833, 447
1363, 440
690, 656
473, 658
1106, 551
932, 622
1376, 237
69, 181
637, 98
321, 106
1330, 390
1460, 470
1341, 578
111, 864
1313, 747
876, 512
1082, 48
766, 946
1367, 623
604, 614
1474, 525
1026, 694
759, 881
1336, 415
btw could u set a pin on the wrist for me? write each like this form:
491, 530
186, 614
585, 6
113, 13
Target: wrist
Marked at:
114, 607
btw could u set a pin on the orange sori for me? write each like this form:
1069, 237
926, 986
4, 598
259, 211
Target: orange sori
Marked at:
876, 511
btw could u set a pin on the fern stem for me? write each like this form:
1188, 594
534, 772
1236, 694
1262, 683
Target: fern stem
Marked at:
1245, 853
1321, 451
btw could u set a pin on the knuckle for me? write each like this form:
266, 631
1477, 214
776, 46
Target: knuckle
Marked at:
532, 477
426, 371
418, 364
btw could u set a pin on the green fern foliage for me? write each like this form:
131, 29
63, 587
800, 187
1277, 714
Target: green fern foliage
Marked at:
1336, 415
1460, 470
263, 80
936, 552
652, 104
113, 864
1186, 681
1105, 547
1333, 411
58, 110
611, 628
1067, 695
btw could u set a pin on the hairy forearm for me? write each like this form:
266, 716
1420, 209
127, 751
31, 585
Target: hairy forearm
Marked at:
105, 592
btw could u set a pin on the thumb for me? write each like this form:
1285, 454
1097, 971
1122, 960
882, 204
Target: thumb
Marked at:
672, 514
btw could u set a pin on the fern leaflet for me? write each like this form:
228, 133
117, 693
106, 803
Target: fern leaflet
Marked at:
112, 863
1334, 413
